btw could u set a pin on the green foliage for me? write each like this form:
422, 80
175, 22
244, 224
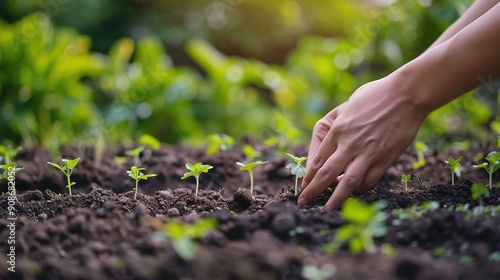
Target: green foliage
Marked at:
416, 211
184, 236
219, 142
150, 142
405, 179
491, 165
455, 167
135, 153
249, 167
296, 168
363, 223
312, 272
195, 170
67, 168
7, 153
420, 148
136, 174
250, 152
479, 191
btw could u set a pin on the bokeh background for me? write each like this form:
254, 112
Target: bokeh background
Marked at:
81, 71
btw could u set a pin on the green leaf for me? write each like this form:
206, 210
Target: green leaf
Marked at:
297, 160
479, 191
406, 178
185, 248
297, 169
251, 165
56, 165
196, 169
355, 211
71, 163
135, 152
250, 153
150, 141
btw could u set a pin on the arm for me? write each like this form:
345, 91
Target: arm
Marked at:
364, 136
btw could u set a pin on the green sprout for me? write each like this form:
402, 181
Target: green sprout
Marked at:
296, 168
250, 152
405, 179
8, 169
219, 142
137, 175
455, 167
195, 170
7, 153
135, 153
151, 144
364, 222
478, 192
249, 167
491, 165
420, 148
67, 168
183, 236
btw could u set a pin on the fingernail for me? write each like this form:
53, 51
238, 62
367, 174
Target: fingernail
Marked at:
302, 201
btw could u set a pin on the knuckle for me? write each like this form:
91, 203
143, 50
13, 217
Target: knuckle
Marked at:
321, 126
351, 182
317, 161
324, 172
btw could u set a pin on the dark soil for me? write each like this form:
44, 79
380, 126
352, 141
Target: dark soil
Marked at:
101, 232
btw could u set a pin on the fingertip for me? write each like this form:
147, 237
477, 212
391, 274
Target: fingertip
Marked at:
302, 201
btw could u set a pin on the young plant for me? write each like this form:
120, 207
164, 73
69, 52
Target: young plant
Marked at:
150, 143
136, 174
405, 179
491, 165
219, 142
195, 170
420, 148
249, 167
67, 168
8, 169
250, 152
478, 192
135, 153
296, 168
7, 153
455, 167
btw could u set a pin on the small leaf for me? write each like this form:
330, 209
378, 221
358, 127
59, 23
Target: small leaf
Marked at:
251, 165
150, 141
56, 165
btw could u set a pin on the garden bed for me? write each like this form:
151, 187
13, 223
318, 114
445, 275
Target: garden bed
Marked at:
102, 232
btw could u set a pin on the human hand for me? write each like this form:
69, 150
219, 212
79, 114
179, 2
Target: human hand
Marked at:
360, 139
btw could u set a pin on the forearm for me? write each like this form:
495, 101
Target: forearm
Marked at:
453, 67
477, 9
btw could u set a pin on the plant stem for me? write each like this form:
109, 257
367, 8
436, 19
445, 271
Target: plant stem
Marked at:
136, 187
251, 182
69, 183
491, 179
296, 184
197, 185
452, 179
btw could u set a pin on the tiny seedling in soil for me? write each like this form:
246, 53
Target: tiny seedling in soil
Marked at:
250, 152
405, 179
491, 165
195, 170
136, 174
151, 144
296, 168
7, 153
455, 167
478, 192
219, 142
249, 167
67, 168
420, 148
10, 170
135, 153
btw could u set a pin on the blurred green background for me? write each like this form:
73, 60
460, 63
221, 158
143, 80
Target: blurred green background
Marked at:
74, 71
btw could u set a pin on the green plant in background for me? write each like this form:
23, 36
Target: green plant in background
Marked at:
184, 236
7, 153
297, 169
312, 272
250, 152
195, 170
420, 148
478, 192
219, 142
249, 167
491, 165
67, 168
287, 132
363, 223
135, 153
405, 179
455, 167
8, 168
150, 143
136, 174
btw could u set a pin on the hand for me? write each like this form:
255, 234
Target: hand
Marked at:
360, 139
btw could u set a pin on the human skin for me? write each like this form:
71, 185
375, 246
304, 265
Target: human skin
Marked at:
362, 137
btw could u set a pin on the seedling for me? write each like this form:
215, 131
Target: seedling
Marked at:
137, 175
250, 153
195, 170
135, 153
8, 169
405, 179
420, 148
455, 167
8, 153
296, 168
67, 168
478, 192
286, 129
249, 167
491, 165
219, 142
364, 222
151, 144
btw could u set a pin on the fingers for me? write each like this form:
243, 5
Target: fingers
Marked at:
320, 131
